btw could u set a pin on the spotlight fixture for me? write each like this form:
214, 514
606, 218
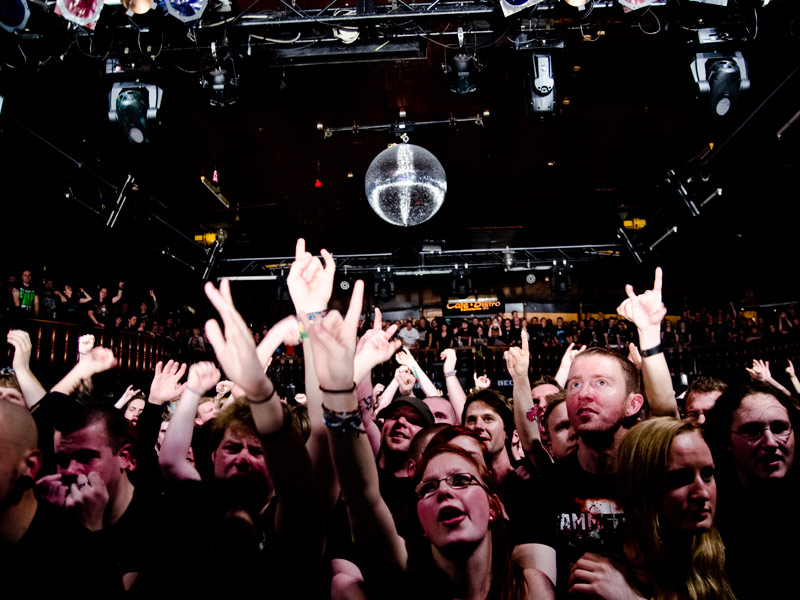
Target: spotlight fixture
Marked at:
80, 12
561, 280
530, 278
461, 285
541, 85
508, 259
282, 292
133, 105
221, 85
512, 7
462, 71
383, 285
720, 78
186, 10
14, 14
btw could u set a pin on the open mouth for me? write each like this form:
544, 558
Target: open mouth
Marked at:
450, 515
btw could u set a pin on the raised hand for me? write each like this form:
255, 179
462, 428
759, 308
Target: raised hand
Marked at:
376, 346
450, 359
85, 343
333, 340
166, 384
569, 356
634, 356
22, 349
646, 309
405, 380
126, 396
790, 369
235, 349
286, 331
481, 382
310, 284
202, 377
97, 360
404, 358
518, 359
760, 370
223, 387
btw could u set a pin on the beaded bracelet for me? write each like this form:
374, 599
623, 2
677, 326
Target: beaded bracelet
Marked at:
343, 421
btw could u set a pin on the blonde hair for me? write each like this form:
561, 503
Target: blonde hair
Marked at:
691, 568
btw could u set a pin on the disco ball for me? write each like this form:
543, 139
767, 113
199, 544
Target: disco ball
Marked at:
405, 185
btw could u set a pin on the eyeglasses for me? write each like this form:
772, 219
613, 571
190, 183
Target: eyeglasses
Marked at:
752, 432
7, 371
456, 481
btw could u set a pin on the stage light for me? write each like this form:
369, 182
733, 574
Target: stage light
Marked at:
383, 285
133, 105
221, 86
508, 259
462, 72
81, 12
512, 7
541, 85
14, 14
186, 10
577, 3
461, 285
561, 280
720, 78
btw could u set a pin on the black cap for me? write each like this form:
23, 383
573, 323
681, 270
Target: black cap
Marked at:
413, 402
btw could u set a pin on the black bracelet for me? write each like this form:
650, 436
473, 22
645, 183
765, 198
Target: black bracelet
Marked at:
343, 421
288, 424
267, 399
651, 351
350, 391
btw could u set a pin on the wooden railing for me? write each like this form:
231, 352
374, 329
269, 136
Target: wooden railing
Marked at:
55, 346
55, 349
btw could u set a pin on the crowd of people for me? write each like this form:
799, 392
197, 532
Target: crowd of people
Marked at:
594, 482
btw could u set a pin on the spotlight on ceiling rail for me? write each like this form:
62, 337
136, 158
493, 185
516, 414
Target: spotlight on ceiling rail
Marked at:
720, 78
133, 106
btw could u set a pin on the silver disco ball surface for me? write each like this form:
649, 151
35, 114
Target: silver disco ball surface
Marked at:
405, 185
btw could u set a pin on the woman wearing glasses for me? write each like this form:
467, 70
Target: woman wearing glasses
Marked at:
462, 553
751, 431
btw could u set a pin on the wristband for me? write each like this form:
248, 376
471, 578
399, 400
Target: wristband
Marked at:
343, 421
350, 391
450, 373
268, 398
314, 315
195, 392
651, 351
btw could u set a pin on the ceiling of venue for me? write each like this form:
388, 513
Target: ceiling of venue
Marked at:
310, 107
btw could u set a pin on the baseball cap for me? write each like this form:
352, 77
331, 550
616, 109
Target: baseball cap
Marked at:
414, 403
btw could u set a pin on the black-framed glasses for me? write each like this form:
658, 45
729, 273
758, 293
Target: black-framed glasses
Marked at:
752, 432
456, 481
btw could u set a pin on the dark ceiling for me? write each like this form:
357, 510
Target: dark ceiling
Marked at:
626, 114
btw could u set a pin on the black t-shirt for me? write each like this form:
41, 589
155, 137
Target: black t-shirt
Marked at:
579, 514
759, 532
58, 558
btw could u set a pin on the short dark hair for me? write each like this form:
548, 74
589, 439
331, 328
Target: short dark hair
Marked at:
703, 385
76, 415
553, 400
498, 403
547, 380
235, 416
